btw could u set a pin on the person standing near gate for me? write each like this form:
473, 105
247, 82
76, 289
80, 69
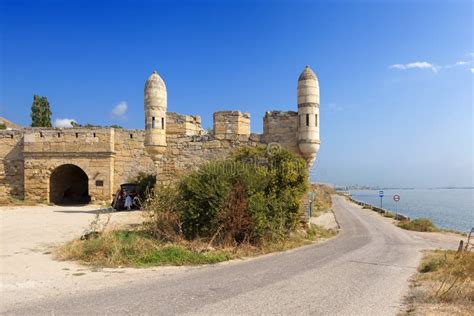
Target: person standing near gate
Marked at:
128, 202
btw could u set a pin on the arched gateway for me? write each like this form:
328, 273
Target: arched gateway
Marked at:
69, 184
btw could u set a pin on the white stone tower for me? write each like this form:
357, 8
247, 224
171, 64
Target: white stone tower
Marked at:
308, 115
155, 115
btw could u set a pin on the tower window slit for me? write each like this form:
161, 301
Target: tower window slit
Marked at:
77, 135
59, 134
307, 119
131, 135
153, 123
162, 123
316, 120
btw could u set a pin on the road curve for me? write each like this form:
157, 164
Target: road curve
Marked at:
363, 271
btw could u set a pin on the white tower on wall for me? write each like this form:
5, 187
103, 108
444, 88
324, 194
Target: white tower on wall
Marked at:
155, 114
308, 115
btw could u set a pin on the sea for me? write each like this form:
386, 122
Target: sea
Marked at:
447, 208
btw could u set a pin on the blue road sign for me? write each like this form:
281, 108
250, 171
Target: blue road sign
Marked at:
380, 193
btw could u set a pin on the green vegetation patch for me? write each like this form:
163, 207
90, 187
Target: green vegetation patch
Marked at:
419, 225
140, 249
255, 196
176, 255
246, 205
136, 249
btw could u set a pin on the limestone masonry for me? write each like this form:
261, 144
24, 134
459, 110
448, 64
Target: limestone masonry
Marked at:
82, 164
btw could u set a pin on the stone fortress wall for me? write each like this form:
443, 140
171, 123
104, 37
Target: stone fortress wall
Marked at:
40, 164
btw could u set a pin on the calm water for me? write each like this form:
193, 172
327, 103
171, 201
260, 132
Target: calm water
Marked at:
453, 209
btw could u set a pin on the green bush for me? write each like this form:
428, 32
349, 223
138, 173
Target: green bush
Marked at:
419, 225
146, 182
253, 196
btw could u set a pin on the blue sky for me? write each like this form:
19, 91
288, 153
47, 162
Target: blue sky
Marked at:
396, 77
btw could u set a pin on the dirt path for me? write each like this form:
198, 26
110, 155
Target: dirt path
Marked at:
28, 235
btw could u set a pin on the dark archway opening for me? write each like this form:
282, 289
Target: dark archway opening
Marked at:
69, 184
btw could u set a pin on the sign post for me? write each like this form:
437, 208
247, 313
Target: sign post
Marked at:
396, 198
381, 197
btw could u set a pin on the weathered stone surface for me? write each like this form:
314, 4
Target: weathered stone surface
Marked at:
231, 125
171, 145
111, 157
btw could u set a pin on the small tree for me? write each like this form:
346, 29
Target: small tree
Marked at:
40, 112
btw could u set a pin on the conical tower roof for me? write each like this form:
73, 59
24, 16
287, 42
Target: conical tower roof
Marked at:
307, 74
155, 82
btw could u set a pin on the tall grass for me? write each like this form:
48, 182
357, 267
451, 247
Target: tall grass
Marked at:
444, 284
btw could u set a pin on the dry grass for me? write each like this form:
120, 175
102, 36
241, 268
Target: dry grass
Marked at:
419, 225
322, 202
388, 214
140, 249
444, 284
297, 239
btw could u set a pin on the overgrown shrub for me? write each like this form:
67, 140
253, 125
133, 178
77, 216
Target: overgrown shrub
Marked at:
251, 197
145, 182
163, 220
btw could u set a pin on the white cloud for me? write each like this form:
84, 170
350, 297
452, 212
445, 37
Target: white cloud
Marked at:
119, 111
63, 123
416, 65
472, 70
462, 62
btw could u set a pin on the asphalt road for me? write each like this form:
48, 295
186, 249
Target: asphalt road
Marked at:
363, 271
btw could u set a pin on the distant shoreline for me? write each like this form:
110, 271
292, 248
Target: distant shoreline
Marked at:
381, 211
391, 189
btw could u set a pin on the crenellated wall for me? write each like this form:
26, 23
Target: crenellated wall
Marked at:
231, 125
92, 150
179, 124
110, 157
282, 128
35, 163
